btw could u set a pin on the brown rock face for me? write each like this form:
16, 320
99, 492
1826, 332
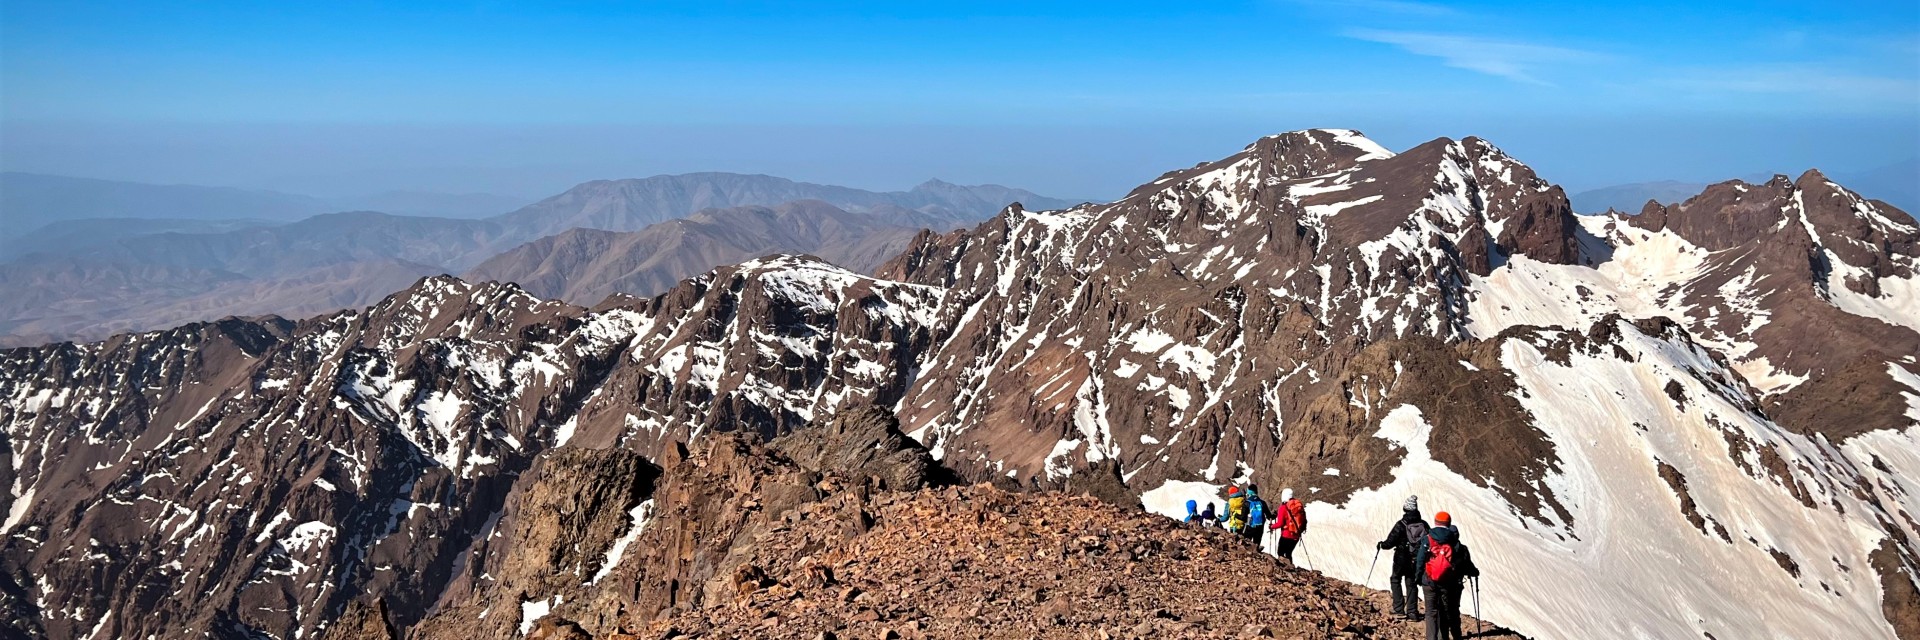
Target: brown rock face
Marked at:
363, 620
579, 541
1207, 309
587, 265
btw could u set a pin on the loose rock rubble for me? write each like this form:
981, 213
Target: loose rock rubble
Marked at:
979, 562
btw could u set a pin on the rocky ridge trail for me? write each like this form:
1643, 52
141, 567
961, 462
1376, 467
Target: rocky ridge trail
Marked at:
849, 529
981, 562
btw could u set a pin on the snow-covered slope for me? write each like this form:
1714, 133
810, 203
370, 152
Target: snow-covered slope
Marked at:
1690, 513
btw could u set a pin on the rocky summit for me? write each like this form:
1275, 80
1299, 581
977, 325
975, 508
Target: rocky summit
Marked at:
851, 530
1705, 410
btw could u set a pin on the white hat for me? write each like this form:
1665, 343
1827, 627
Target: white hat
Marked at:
1286, 494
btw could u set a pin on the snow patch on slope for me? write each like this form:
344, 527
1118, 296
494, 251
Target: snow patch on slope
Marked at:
1170, 498
1628, 531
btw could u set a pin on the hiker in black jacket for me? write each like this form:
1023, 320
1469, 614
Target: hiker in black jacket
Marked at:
1405, 537
1444, 565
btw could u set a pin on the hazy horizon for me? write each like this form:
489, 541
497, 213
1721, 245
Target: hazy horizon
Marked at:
1065, 100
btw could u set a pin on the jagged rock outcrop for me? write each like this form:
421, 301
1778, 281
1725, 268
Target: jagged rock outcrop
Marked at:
596, 539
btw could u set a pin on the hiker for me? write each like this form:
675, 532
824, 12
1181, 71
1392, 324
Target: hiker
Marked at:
1444, 564
1236, 516
1207, 517
1193, 512
1256, 514
1405, 538
1291, 520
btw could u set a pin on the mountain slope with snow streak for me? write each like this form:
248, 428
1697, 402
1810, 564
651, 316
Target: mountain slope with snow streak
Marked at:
1751, 270
278, 470
1675, 468
1606, 402
1239, 321
1180, 329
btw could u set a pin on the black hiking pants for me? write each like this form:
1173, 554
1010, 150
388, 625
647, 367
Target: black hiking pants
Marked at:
1406, 594
1443, 611
1255, 532
1286, 546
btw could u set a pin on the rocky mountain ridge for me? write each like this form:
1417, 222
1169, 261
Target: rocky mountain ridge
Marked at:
1315, 312
586, 266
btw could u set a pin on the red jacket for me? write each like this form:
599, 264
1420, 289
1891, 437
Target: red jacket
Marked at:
1291, 519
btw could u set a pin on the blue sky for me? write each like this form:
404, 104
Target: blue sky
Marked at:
1074, 98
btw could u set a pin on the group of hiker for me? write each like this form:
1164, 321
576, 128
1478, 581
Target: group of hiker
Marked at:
1249, 516
1429, 558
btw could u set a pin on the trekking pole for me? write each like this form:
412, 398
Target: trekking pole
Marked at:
1303, 552
1479, 625
1370, 566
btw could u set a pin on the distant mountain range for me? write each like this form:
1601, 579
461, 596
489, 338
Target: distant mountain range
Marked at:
92, 277
585, 266
29, 201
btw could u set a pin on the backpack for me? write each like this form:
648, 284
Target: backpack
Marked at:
1439, 560
1296, 522
1236, 514
1257, 512
1416, 532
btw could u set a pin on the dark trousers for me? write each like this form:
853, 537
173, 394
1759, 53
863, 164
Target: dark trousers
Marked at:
1443, 612
1286, 546
1406, 594
1255, 532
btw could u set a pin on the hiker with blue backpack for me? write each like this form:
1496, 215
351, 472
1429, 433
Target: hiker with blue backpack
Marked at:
1444, 564
1256, 514
1406, 537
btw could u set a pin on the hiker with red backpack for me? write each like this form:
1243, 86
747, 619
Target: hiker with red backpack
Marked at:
1444, 564
1406, 537
1291, 521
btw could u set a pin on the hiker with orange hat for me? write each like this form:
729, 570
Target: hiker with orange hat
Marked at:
1444, 565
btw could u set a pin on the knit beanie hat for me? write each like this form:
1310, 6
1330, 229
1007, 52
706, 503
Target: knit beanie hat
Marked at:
1413, 504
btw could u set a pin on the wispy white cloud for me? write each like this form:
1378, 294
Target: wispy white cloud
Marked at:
1402, 7
1517, 61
